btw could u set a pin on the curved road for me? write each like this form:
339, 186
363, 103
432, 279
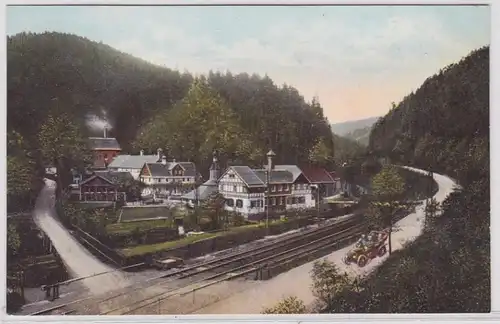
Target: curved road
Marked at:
79, 262
297, 282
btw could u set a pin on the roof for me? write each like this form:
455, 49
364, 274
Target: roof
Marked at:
334, 175
161, 170
158, 169
204, 191
189, 168
275, 176
132, 161
317, 175
104, 143
115, 176
293, 169
247, 175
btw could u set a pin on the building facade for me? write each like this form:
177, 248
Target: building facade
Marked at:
103, 186
133, 163
105, 149
168, 179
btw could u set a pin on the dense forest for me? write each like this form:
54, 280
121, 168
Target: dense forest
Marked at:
444, 127
56, 81
360, 135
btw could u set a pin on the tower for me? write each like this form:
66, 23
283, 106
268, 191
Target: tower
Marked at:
270, 155
214, 168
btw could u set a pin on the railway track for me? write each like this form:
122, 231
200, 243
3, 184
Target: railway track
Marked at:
204, 274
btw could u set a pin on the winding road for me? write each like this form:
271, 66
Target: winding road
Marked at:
78, 260
297, 282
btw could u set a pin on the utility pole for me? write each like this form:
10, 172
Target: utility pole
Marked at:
267, 199
316, 187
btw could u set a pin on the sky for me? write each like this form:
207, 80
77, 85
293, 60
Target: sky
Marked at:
355, 59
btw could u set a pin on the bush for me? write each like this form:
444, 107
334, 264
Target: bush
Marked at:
289, 305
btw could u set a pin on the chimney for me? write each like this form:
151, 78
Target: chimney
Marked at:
270, 155
158, 153
173, 160
105, 132
214, 168
141, 152
164, 160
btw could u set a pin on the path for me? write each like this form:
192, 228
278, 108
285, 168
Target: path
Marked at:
297, 282
78, 261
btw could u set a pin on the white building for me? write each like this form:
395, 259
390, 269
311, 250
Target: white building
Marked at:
133, 163
168, 179
245, 189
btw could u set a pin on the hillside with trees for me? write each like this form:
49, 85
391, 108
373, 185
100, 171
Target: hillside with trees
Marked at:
56, 81
444, 127
360, 135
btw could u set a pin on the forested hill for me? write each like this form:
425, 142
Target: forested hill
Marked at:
81, 76
444, 124
55, 80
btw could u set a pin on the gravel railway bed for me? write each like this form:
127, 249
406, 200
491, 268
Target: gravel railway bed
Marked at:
198, 273
253, 269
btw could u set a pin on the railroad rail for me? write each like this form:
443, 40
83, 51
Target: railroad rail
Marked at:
300, 251
223, 268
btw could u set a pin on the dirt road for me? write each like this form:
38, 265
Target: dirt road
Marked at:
78, 260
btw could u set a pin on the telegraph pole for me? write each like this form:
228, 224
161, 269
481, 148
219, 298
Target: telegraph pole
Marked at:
267, 199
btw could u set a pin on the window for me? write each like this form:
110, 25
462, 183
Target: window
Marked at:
302, 200
294, 200
239, 203
230, 202
159, 180
280, 188
273, 188
253, 203
273, 201
231, 176
261, 203
235, 189
282, 200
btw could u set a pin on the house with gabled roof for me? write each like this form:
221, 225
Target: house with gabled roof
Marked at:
248, 191
168, 178
134, 163
320, 177
103, 186
105, 149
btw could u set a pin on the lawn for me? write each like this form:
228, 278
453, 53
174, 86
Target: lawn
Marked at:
151, 248
132, 214
127, 227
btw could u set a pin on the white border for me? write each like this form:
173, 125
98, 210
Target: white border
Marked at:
324, 318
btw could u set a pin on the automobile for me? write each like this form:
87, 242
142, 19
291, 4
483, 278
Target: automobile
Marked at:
365, 251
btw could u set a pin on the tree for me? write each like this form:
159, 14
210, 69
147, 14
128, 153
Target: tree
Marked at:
327, 282
63, 145
387, 188
321, 154
13, 240
213, 210
289, 305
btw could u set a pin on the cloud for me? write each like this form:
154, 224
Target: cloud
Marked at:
342, 54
